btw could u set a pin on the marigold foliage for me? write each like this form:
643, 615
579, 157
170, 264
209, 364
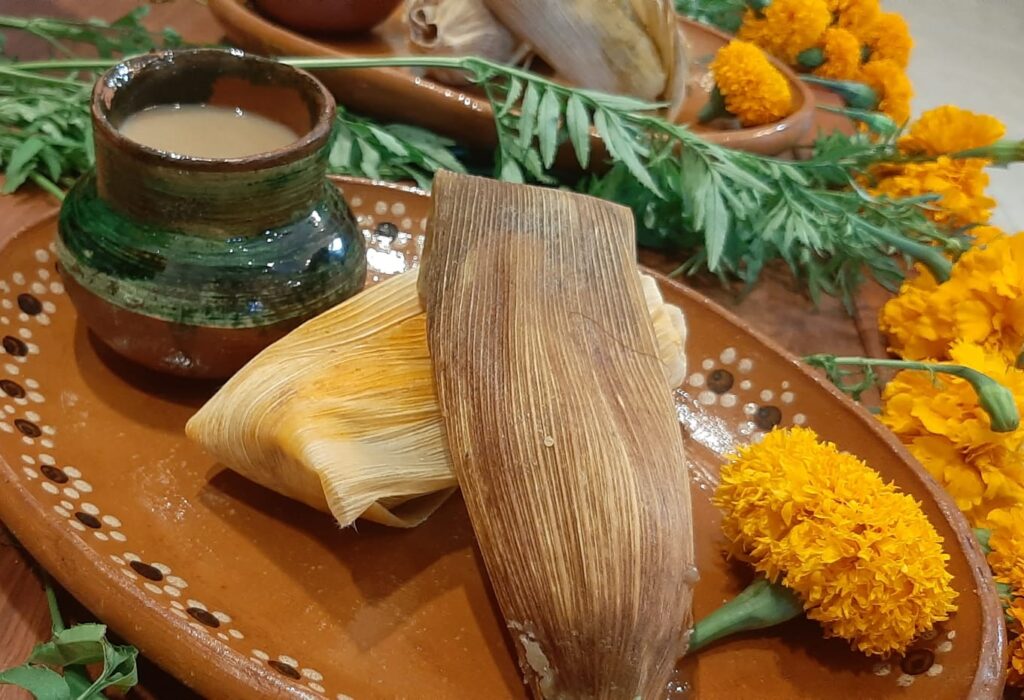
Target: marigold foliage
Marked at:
861, 555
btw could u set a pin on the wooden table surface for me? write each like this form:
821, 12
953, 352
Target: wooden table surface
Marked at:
774, 307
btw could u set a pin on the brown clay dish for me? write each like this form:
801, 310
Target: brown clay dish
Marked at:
401, 95
242, 593
343, 16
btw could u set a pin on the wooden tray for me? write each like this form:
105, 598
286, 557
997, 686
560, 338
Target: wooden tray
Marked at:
404, 96
242, 593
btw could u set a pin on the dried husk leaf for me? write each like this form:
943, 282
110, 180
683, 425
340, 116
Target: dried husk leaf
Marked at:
629, 47
342, 415
568, 451
460, 28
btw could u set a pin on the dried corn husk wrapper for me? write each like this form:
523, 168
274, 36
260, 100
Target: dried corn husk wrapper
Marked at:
563, 433
629, 47
342, 415
460, 28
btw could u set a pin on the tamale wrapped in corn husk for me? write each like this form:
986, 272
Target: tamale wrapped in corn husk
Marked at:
342, 415
460, 28
562, 432
629, 47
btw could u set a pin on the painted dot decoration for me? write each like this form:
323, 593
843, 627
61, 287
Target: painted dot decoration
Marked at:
54, 474
386, 229
720, 381
917, 661
767, 417
30, 304
88, 520
285, 669
12, 388
27, 428
204, 616
146, 570
14, 346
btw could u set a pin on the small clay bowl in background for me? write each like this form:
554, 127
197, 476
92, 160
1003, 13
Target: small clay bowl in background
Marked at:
193, 265
328, 16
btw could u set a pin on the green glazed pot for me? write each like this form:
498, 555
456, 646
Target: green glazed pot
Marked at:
192, 265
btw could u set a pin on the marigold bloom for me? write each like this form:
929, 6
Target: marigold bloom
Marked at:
856, 15
1007, 544
826, 526
940, 420
842, 55
960, 185
753, 89
1015, 670
888, 37
950, 129
893, 87
982, 303
787, 27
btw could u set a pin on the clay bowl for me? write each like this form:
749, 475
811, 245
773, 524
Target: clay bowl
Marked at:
166, 256
342, 16
242, 593
402, 95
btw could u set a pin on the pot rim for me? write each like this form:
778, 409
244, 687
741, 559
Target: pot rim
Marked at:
120, 76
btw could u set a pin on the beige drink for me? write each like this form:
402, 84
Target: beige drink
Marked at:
206, 131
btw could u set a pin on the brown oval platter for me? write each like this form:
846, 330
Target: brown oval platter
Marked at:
403, 96
242, 593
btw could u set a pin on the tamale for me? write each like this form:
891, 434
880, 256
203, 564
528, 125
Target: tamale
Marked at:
460, 28
562, 432
341, 414
630, 47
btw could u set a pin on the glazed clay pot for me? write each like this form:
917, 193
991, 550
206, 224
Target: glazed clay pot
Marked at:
193, 265
321, 16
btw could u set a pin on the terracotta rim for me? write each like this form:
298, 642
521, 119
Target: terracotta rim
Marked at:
237, 13
66, 556
107, 86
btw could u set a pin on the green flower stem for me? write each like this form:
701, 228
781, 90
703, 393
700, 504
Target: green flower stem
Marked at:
983, 535
1002, 152
713, 108
876, 121
929, 256
760, 605
56, 620
995, 399
854, 94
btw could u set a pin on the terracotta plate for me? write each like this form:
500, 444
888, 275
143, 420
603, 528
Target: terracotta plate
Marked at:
401, 95
243, 593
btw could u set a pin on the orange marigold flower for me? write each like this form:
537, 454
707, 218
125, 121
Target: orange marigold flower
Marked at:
915, 327
856, 15
893, 87
960, 185
863, 558
940, 420
787, 27
842, 55
753, 89
950, 129
1006, 540
1015, 628
889, 38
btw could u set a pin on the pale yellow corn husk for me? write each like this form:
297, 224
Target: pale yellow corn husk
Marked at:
629, 47
342, 415
563, 433
460, 28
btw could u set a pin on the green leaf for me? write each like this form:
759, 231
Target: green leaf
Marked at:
388, 141
17, 170
369, 162
82, 644
515, 91
620, 148
43, 683
548, 117
578, 124
510, 171
528, 116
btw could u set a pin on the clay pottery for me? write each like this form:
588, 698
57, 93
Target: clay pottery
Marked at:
341, 16
192, 265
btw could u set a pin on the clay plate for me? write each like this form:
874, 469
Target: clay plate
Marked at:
401, 95
242, 593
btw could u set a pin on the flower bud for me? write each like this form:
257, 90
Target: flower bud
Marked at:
997, 401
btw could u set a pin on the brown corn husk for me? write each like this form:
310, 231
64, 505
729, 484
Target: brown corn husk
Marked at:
630, 47
341, 414
563, 433
460, 28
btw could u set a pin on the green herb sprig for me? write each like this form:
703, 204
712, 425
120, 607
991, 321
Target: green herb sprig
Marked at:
55, 670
